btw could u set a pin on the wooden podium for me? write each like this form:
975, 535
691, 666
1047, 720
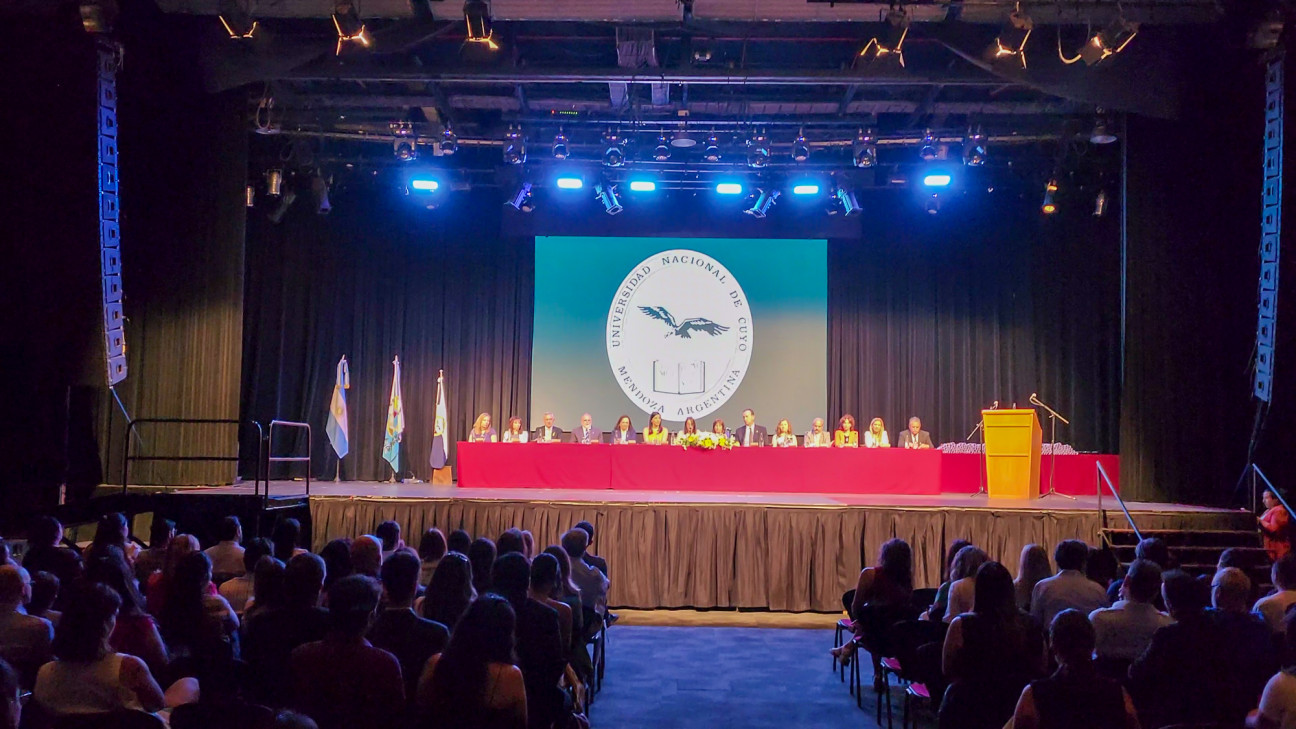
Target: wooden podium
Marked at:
1013, 441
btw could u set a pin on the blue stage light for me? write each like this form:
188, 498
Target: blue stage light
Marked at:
808, 189
643, 185
729, 188
424, 185
937, 180
570, 183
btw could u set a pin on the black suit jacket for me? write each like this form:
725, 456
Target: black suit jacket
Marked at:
759, 435
412, 639
542, 658
924, 439
538, 433
1181, 677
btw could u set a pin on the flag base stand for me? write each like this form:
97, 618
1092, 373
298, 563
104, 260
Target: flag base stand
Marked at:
443, 476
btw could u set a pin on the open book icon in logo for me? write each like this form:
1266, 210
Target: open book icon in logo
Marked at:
682, 329
679, 378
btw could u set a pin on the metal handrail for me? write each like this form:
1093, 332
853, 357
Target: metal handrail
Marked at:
127, 458
1272, 489
271, 458
1101, 477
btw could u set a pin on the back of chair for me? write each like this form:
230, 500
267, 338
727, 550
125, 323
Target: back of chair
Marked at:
109, 720
923, 598
907, 637
877, 621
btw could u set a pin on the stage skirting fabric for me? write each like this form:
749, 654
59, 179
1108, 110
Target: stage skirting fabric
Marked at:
716, 555
750, 470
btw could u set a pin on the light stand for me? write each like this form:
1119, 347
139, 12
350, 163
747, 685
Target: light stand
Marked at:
981, 473
1054, 416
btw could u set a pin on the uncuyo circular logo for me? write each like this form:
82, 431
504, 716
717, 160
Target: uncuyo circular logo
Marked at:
679, 334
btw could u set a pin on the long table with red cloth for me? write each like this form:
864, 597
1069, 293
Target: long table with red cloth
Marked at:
751, 470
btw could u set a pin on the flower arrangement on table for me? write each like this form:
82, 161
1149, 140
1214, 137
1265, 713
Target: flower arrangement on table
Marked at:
707, 441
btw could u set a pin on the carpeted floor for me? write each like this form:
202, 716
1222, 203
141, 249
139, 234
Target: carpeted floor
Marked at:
727, 678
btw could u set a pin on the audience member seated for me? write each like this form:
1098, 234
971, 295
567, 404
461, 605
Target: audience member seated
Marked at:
1123, 631
528, 542
6, 555
593, 584
509, 542
44, 593
569, 594
198, 626
475, 683
157, 586
1032, 567
941, 602
10, 697
989, 656
962, 589
1069, 588
481, 555
45, 552
88, 677
113, 530
286, 538
889, 584
459, 541
227, 555
539, 643
343, 682
1075, 696
1278, 702
397, 629
1251, 651
589, 557
1180, 677
366, 556
25, 640
1102, 567
269, 637
1273, 608
1154, 550
389, 533
432, 547
337, 560
136, 632
267, 586
545, 574
450, 592
238, 590
221, 704
151, 560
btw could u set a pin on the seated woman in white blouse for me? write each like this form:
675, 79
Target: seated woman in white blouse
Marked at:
482, 432
783, 436
690, 428
515, 433
876, 435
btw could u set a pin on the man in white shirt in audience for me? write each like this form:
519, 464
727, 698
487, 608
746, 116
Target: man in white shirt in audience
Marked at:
591, 581
547, 433
1124, 630
1069, 588
227, 556
1274, 607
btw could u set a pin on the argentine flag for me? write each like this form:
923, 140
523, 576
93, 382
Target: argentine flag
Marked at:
439, 453
337, 422
395, 422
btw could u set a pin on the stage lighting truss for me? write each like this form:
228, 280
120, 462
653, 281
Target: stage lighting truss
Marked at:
404, 144
928, 150
711, 153
477, 17
864, 149
662, 152
974, 148
1012, 38
515, 151
606, 194
758, 150
350, 28
762, 201
560, 150
800, 148
236, 20
522, 200
614, 155
891, 43
1109, 41
449, 142
1049, 206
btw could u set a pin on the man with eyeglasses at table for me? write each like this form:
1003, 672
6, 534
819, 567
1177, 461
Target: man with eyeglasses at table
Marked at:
587, 433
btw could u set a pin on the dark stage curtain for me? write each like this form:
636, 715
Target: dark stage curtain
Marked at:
375, 279
937, 316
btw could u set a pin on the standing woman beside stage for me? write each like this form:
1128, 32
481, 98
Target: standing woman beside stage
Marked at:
482, 432
876, 437
656, 434
624, 433
690, 428
515, 433
846, 435
783, 437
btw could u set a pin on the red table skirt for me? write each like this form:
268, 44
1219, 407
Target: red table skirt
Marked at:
777, 470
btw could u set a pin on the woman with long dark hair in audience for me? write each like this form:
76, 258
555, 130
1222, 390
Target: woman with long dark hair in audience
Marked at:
475, 683
88, 677
112, 530
1031, 568
568, 593
481, 555
432, 547
888, 583
136, 632
267, 587
337, 560
545, 574
1075, 696
989, 655
285, 537
450, 592
157, 587
197, 625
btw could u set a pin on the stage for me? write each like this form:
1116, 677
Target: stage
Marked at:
776, 551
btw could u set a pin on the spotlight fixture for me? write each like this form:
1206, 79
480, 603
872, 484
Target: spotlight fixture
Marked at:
643, 186
1100, 204
800, 149
933, 204
405, 145
449, 143
864, 150
927, 151
560, 145
606, 194
320, 194
1049, 206
614, 155
758, 150
805, 188
515, 151
762, 202
477, 16
569, 183
974, 148
711, 153
250, 195
729, 188
350, 28
1109, 41
423, 184
891, 42
682, 140
522, 200
1101, 134
274, 182
846, 197
937, 179
1011, 41
236, 20
99, 16
662, 152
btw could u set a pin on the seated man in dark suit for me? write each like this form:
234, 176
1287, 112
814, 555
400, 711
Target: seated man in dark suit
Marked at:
915, 438
591, 559
269, 637
1252, 653
539, 640
587, 433
45, 553
397, 629
547, 433
749, 433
